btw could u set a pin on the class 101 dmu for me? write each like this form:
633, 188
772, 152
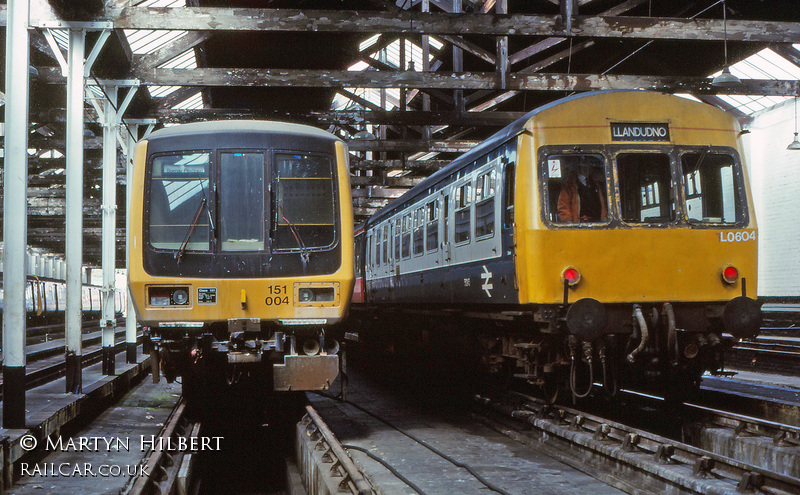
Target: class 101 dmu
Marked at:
605, 237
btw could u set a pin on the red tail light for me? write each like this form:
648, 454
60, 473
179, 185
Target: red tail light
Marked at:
571, 276
730, 274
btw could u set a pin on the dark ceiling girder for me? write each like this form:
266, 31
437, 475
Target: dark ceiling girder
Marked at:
377, 180
352, 117
412, 145
403, 22
236, 77
415, 165
469, 47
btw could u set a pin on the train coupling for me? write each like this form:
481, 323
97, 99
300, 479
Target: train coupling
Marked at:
243, 351
742, 317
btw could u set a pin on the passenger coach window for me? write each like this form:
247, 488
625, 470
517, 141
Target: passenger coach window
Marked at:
385, 243
484, 206
709, 181
396, 234
406, 241
576, 188
378, 246
419, 230
645, 188
241, 208
29, 298
178, 201
304, 201
462, 221
432, 234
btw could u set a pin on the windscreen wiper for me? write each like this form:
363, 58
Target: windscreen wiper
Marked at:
300, 244
182, 249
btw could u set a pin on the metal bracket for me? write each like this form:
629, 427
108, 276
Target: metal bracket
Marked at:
104, 27
86, 26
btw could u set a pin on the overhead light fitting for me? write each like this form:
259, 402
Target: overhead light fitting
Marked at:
364, 136
411, 76
794, 145
725, 79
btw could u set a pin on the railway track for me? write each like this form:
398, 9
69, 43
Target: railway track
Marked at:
48, 365
324, 464
323, 459
46, 333
632, 459
773, 354
780, 319
169, 465
769, 444
777, 348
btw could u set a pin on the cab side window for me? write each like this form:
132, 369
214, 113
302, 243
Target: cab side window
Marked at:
576, 188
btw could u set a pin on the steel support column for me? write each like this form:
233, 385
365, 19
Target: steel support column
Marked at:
109, 227
15, 207
76, 70
74, 208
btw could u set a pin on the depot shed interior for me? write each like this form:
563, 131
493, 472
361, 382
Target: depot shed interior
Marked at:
409, 84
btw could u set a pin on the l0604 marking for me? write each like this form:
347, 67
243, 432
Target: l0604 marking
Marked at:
737, 236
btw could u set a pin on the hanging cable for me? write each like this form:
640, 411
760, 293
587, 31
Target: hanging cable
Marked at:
651, 41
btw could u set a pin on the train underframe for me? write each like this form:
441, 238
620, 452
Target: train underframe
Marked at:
251, 353
661, 348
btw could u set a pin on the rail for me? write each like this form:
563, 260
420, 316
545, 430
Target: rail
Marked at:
679, 467
351, 479
165, 469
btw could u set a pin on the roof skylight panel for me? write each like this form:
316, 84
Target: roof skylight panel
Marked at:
765, 64
193, 102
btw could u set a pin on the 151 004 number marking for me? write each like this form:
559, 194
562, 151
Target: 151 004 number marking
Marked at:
737, 236
279, 295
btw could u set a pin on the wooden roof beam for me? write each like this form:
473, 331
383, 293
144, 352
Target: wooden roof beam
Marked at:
236, 77
243, 19
552, 41
415, 165
410, 145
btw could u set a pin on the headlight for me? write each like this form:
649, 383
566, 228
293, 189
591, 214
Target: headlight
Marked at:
305, 295
180, 297
168, 296
317, 293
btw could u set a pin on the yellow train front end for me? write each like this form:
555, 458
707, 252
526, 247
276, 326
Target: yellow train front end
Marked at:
635, 233
240, 251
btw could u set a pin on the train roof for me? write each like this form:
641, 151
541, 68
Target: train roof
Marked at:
490, 143
241, 126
